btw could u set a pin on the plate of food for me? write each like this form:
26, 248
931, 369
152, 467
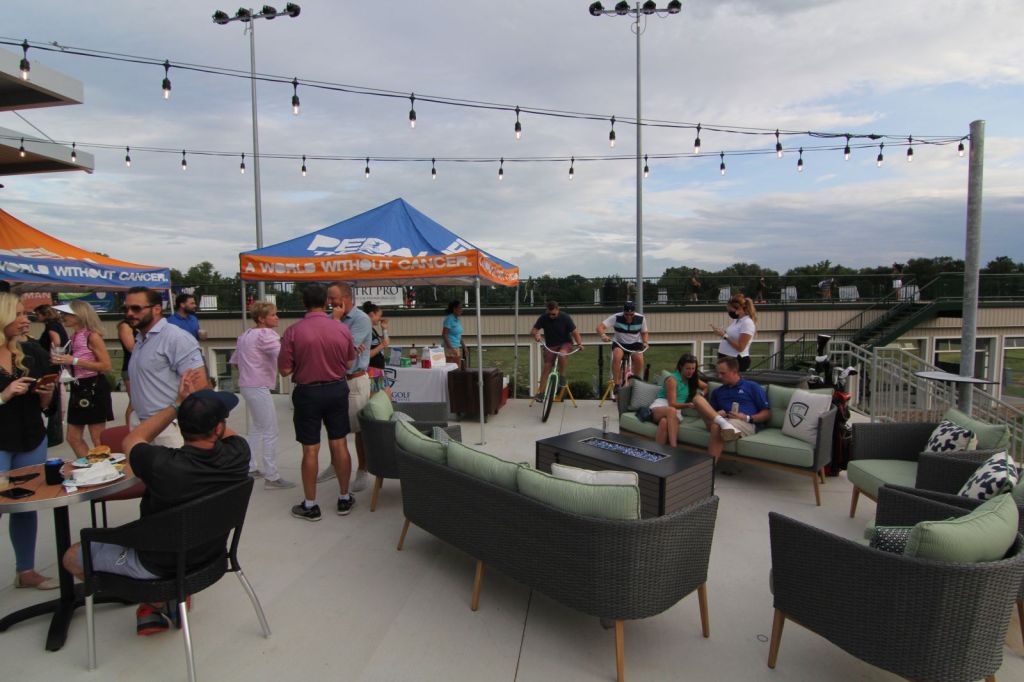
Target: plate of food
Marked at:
87, 484
100, 453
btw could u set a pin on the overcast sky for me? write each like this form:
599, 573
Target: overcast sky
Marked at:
912, 67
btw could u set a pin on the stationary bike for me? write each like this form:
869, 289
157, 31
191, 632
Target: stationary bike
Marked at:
552, 393
625, 371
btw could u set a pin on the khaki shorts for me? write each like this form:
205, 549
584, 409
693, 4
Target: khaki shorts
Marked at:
358, 396
743, 427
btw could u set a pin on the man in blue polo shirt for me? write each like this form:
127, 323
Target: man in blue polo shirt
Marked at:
184, 315
735, 409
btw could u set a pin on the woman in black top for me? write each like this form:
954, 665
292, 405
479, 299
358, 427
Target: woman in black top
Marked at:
378, 345
22, 432
54, 339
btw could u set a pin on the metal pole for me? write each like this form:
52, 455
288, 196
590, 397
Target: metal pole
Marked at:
260, 286
639, 181
480, 361
972, 260
515, 345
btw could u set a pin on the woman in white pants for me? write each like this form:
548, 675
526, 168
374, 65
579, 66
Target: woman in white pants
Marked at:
256, 357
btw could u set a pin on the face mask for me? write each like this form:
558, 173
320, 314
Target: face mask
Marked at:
734, 315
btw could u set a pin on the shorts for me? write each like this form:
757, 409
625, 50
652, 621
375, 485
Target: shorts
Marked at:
745, 428
744, 360
663, 402
107, 558
90, 402
637, 347
320, 404
563, 348
359, 390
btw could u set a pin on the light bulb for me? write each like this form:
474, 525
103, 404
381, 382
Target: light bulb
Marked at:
519, 126
647, 169
21, 149
433, 169
846, 149
501, 169
24, 66
960, 149
295, 96
412, 111
696, 141
184, 163
800, 161
127, 157
303, 165
167, 80
778, 145
572, 168
366, 171
721, 166
74, 154
241, 167
910, 150
611, 135
881, 159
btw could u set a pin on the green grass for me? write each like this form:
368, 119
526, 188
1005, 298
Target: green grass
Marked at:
1013, 372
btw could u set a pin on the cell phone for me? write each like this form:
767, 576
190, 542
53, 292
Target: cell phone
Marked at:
17, 493
45, 381
23, 478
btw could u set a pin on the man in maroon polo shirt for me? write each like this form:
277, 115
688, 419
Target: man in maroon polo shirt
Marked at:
317, 352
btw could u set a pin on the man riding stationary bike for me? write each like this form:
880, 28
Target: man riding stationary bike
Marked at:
630, 333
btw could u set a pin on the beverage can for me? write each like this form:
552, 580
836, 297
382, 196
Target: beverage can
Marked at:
604, 425
735, 407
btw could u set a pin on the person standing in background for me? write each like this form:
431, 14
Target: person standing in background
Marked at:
184, 315
451, 333
126, 337
378, 346
54, 338
741, 331
694, 286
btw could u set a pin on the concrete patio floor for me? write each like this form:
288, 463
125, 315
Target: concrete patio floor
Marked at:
344, 605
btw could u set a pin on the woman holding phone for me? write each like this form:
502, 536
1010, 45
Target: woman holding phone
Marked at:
741, 331
90, 404
22, 431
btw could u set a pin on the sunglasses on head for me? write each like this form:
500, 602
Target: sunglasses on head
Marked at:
136, 308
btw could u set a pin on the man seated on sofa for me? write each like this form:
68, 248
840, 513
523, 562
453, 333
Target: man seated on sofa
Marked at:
735, 409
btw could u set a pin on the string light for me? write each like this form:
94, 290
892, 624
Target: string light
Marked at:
74, 154
800, 162
721, 166
128, 157
412, 110
611, 135
647, 169
24, 66
778, 144
21, 149
910, 150
960, 149
241, 167
696, 141
303, 170
501, 169
846, 149
167, 80
433, 169
295, 96
572, 168
881, 159
184, 163
366, 171
519, 126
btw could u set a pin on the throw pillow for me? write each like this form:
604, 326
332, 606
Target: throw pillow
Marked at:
890, 538
411, 440
379, 406
986, 534
998, 474
482, 465
949, 437
597, 500
802, 415
643, 394
569, 473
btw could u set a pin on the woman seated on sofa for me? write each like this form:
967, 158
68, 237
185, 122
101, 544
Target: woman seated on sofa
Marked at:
682, 385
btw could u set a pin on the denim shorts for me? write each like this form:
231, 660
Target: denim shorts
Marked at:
107, 558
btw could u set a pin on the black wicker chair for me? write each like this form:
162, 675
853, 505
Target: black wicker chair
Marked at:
615, 570
212, 518
920, 619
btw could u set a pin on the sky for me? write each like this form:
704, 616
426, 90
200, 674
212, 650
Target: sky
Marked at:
908, 68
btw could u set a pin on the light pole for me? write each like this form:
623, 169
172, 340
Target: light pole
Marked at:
637, 12
249, 16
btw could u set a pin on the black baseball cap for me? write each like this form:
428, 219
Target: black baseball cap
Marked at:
629, 307
201, 412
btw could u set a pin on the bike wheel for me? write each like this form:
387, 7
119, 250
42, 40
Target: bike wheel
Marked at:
549, 397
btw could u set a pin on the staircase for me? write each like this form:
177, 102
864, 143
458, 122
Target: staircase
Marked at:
899, 320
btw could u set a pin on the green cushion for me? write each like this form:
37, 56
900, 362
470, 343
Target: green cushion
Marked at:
990, 436
778, 401
986, 534
411, 440
774, 446
1018, 493
629, 422
601, 501
871, 474
379, 406
482, 465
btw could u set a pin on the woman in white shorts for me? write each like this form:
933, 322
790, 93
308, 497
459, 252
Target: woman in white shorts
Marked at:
682, 385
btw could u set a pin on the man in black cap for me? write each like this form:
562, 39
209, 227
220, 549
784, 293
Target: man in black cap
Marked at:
213, 457
630, 334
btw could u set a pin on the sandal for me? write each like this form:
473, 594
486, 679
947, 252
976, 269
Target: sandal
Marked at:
44, 584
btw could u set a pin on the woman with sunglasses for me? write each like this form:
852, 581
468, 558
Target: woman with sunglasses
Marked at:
737, 336
22, 431
89, 405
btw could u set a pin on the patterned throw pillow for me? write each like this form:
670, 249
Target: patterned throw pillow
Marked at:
890, 538
643, 394
996, 475
949, 437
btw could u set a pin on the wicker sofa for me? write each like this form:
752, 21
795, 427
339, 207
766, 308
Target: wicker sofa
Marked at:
613, 569
769, 447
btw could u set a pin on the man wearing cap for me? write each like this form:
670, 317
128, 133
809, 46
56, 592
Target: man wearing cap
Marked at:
213, 457
559, 334
339, 295
630, 333
318, 353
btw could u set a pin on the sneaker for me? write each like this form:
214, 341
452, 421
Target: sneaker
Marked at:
344, 506
539, 397
327, 474
359, 482
172, 612
300, 511
149, 620
730, 433
277, 484
256, 473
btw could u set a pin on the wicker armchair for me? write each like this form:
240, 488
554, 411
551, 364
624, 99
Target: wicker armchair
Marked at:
889, 453
888, 613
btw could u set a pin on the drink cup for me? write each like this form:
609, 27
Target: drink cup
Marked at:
53, 471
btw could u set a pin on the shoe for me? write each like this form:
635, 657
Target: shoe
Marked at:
300, 511
172, 612
359, 482
256, 473
45, 584
277, 484
345, 506
327, 474
539, 397
149, 620
730, 433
